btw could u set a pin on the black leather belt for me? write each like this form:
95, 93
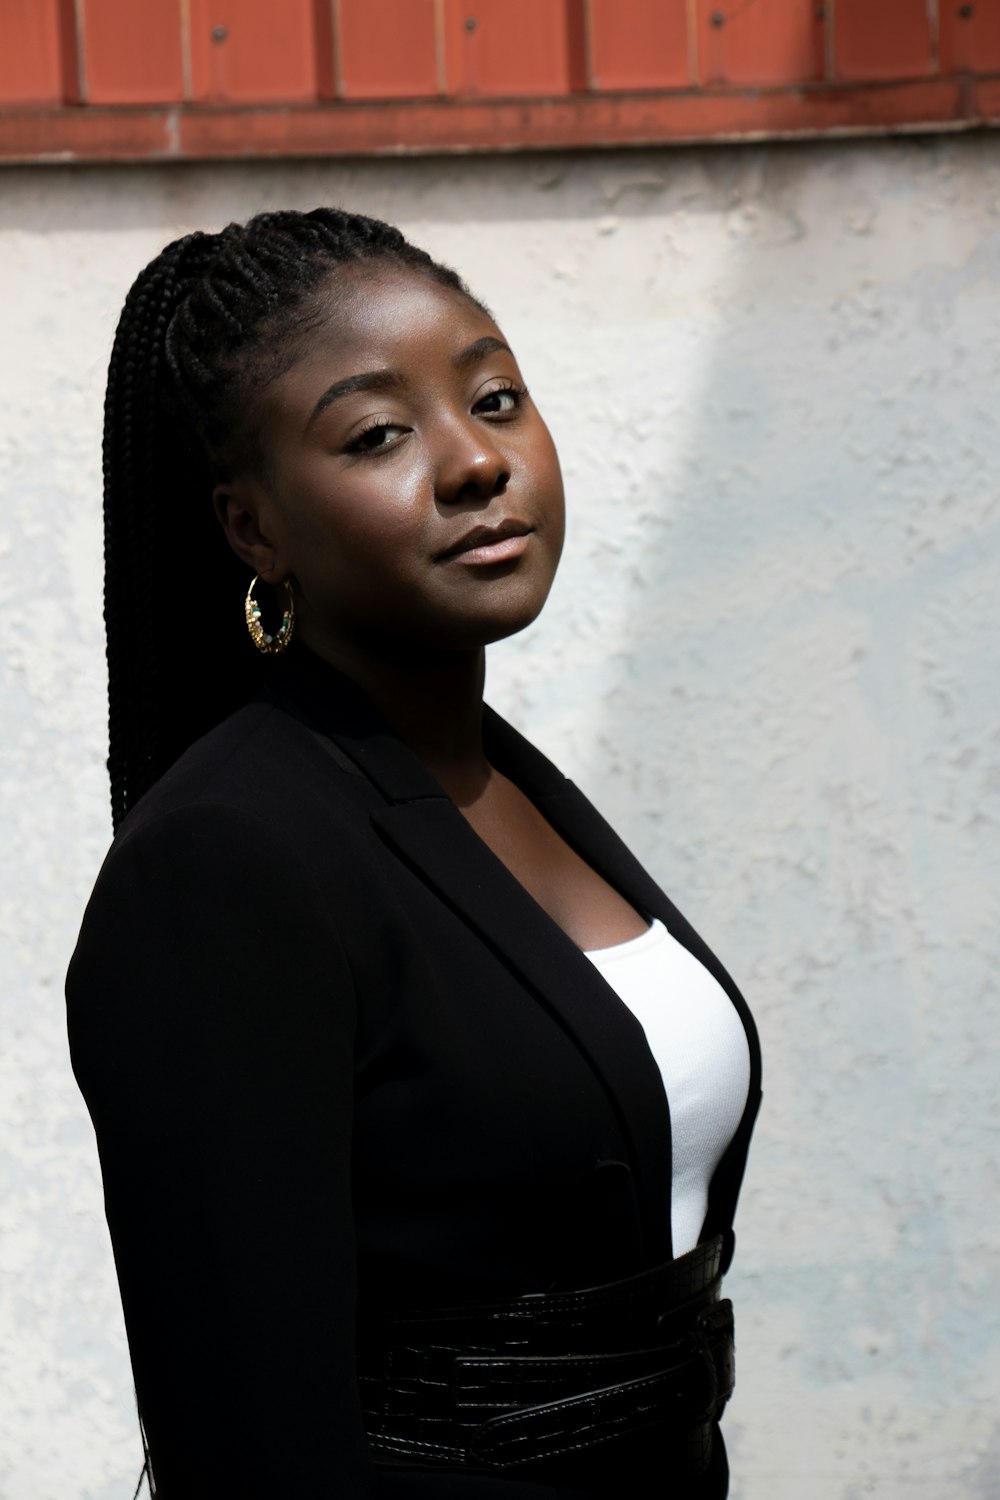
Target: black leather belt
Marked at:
504, 1384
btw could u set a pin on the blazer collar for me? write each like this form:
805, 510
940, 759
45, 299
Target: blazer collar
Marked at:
333, 703
421, 824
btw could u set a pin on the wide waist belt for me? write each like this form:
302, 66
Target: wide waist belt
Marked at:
500, 1384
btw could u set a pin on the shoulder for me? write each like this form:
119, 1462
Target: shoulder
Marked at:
224, 866
263, 781
213, 934
256, 816
262, 764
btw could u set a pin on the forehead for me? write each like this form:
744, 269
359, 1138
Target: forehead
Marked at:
370, 317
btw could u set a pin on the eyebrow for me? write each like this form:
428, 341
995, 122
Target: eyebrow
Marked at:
391, 380
371, 380
478, 351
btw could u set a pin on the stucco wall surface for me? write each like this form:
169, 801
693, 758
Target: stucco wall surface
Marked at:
773, 374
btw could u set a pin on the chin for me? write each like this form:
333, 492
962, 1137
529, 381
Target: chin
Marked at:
456, 624
497, 624
472, 637
509, 610
503, 632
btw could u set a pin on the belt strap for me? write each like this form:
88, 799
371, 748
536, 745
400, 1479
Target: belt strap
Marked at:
681, 1395
506, 1384
644, 1302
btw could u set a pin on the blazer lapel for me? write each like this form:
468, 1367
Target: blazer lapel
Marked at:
569, 812
582, 826
579, 823
431, 835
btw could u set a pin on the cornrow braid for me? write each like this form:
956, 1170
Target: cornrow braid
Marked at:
204, 328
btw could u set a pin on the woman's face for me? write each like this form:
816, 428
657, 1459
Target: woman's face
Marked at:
410, 488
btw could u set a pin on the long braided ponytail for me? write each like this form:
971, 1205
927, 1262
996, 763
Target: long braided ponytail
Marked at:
205, 327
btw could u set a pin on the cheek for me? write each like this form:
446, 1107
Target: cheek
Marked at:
360, 517
549, 480
546, 462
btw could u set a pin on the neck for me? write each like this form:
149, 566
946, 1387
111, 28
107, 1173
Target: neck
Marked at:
434, 702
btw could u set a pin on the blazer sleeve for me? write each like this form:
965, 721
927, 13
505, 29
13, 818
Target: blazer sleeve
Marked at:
211, 1018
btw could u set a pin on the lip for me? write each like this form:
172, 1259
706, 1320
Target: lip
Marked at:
490, 544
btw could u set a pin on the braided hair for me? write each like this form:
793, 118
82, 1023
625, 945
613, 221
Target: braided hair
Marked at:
206, 326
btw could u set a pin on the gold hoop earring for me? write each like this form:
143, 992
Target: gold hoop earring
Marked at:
270, 645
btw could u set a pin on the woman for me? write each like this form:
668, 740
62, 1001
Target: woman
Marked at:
372, 1117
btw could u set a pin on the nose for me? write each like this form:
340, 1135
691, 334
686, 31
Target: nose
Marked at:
470, 468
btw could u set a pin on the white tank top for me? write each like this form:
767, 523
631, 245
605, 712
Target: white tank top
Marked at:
697, 1038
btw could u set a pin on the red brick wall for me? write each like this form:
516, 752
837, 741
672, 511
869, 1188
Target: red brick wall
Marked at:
106, 79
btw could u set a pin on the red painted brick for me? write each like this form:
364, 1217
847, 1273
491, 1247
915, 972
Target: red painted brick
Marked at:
970, 36
511, 48
986, 101
882, 39
31, 55
760, 41
638, 44
255, 51
388, 49
131, 53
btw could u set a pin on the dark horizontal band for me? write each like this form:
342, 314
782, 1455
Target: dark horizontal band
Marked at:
511, 1383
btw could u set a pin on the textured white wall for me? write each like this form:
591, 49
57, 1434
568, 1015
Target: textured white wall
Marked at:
774, 376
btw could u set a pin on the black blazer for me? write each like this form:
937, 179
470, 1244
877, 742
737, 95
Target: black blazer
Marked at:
338, 1059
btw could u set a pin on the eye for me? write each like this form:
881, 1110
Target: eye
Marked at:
504, 401
379, 435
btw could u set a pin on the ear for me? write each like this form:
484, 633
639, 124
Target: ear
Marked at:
243, 513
